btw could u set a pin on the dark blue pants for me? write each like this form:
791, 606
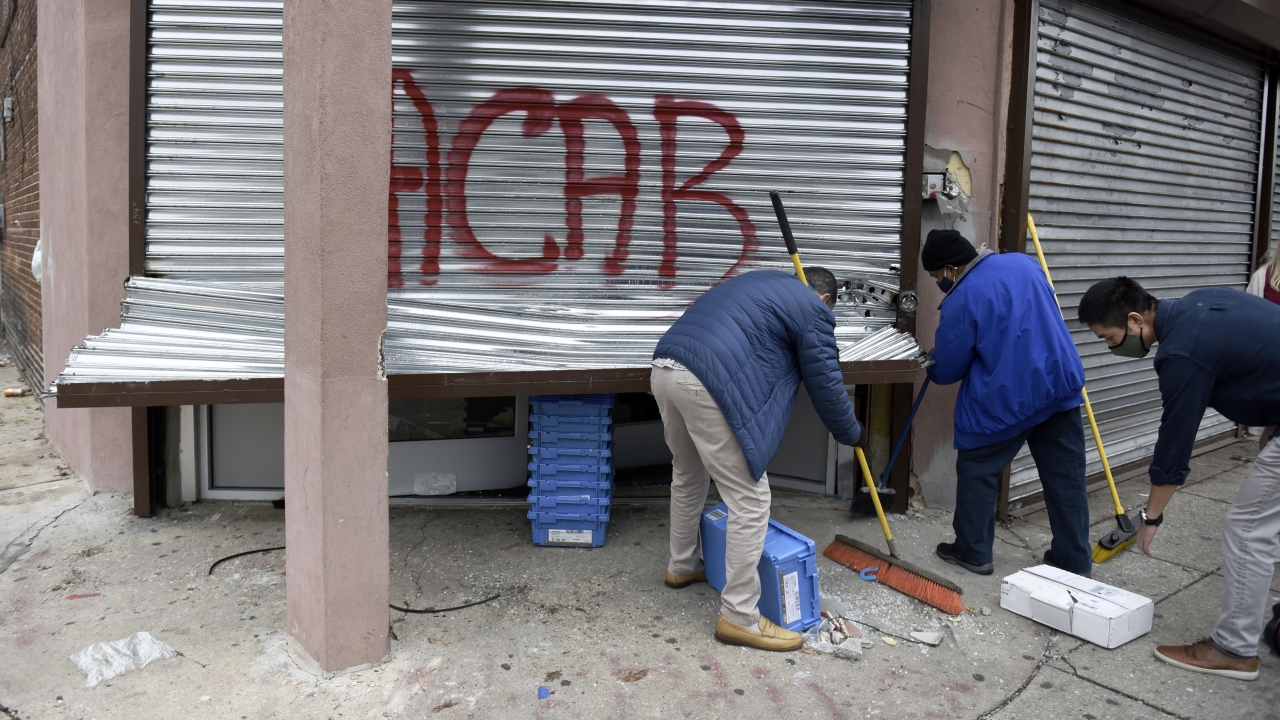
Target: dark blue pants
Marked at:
1057, 445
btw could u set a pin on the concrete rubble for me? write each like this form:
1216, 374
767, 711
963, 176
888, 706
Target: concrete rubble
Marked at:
596, 628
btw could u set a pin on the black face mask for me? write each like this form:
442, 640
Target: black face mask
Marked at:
945, 285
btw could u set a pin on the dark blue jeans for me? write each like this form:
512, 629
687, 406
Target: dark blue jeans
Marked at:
1057, 445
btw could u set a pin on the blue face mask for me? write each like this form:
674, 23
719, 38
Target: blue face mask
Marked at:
945, 285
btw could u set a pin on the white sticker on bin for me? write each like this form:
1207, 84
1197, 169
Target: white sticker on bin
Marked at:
790, 598
715, 515
569, 537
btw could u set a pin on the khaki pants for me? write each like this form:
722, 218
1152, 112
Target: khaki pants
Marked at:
703, 446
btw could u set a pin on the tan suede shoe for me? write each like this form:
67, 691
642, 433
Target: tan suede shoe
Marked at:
770, 636
1203, 657
679, 581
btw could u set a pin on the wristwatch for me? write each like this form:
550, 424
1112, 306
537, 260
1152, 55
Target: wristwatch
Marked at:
1148, 521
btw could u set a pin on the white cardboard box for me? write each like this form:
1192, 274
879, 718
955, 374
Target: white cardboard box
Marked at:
1090, 610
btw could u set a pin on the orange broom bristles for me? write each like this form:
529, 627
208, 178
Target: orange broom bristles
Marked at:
897, 577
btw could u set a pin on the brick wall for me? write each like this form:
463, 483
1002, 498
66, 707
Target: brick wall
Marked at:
20, 193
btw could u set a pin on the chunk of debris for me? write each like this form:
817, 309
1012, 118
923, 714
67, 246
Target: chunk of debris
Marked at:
634, 676
849, 650
552, 676
986, 611
928, 638
444, 705
832, 608
889, 641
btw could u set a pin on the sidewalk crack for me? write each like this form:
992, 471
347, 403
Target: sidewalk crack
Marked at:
1075, 673
1045, 657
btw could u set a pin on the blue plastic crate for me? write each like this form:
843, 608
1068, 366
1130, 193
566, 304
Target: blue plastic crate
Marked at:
553, 486
594, 472
568, 529
573, 405
576, 504
568, 423
788, 570
573, 440
570, 455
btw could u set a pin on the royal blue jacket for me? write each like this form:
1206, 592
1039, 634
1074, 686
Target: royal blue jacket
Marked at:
1219, 348
750, 341
1001, 333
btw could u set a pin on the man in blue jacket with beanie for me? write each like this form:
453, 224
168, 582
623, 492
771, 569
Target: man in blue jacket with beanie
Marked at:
1002, 334
725, 377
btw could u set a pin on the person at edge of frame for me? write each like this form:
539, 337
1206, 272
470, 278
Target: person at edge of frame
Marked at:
1001, 334
725, 376
1220, 349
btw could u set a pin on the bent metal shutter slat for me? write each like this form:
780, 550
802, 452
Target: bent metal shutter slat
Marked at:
1144, 163
566, 176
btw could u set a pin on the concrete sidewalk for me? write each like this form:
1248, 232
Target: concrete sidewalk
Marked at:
595, 626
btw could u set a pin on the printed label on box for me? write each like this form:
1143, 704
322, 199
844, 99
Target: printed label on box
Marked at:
569, 537
790, 598
715, 515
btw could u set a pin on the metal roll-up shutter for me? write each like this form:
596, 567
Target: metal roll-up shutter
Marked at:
607, 162
1144, 163
215, 170
566, 176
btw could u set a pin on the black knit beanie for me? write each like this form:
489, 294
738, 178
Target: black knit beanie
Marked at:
946, 247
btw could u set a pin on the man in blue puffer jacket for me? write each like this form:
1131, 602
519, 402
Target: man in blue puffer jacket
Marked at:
1002, 334
725, 377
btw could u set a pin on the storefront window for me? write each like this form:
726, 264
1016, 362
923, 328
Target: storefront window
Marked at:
451, 418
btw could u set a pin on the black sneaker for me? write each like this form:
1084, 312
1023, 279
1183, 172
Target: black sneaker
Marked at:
947, 551
1047, 559
1272, 632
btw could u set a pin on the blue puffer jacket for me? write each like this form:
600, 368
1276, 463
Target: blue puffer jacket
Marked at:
750, 341
1002, 333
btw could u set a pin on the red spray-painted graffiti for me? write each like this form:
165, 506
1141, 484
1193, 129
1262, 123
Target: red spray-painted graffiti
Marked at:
408, 179
447, 201
577, 187
667, 110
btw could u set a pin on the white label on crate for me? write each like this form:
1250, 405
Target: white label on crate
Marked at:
790, 598
569, 537
715, 515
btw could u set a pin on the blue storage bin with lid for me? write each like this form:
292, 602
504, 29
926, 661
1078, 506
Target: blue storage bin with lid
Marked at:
575, 456
596, 406
788, 570
593, 472
570, 423
588, 504
598, 440
553, 485
557, 529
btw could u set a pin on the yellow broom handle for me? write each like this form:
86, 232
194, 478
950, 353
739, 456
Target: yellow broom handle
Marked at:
795, 260
1088, 408
875, 496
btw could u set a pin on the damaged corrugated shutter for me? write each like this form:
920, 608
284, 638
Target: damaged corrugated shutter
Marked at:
1145, 163
215, 138
559, 170
563, 170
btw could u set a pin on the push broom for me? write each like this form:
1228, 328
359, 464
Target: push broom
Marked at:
1124, 534
890, 569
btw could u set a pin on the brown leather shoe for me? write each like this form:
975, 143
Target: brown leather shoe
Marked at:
679, 581
769, 637
1203, 657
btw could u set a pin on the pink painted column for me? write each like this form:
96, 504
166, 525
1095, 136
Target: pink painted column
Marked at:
83, 87
337, 145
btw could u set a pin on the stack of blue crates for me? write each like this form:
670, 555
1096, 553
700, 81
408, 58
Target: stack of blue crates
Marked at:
570, 469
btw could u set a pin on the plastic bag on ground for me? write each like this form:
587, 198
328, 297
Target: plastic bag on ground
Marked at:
105, 660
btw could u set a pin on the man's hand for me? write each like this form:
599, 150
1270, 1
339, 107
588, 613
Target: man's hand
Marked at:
1146, 533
